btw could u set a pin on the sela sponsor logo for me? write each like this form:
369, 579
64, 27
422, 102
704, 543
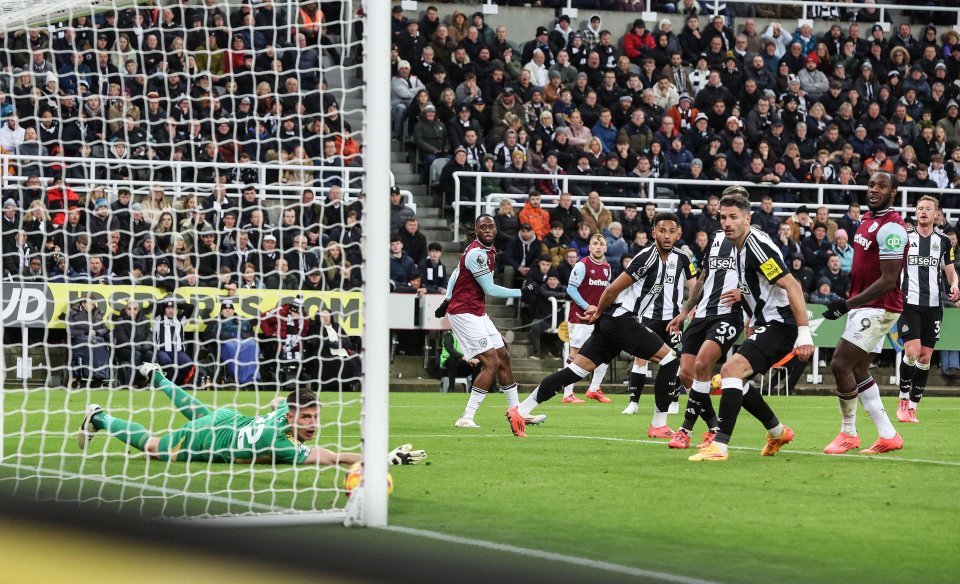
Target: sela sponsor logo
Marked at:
861, 240
722, 263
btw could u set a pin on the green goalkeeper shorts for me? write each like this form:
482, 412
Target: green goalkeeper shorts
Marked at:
205, 439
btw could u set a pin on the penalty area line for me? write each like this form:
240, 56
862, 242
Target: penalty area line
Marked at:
542, 555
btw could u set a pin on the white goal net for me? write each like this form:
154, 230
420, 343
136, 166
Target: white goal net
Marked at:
183, 184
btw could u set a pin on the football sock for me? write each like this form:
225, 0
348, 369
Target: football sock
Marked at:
730, 404
510, 392
477, 396
919, 384
699, 393
126, 431
870, 399
552, 385
568, 389
659, 419
597, 380
638, 378
908, 369
848, 415
664, 385
186, 404
754, 403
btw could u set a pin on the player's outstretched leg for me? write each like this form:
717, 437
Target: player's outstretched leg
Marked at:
95, 419
869, 397
555, 382
638, 378
699, 405
186, 404
568, 396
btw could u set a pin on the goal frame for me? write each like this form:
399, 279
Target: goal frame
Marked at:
368, 504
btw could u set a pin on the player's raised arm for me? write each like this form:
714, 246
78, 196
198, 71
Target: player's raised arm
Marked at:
476, 262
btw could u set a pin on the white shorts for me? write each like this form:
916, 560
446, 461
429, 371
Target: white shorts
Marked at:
476, 334
579, 333
867, 327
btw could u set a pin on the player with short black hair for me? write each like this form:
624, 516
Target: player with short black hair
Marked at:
874, 305
930, 255
617, 328
466, 309
224, 435
665, 284
773, 299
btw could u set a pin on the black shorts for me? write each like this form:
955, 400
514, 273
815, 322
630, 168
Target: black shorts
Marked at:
723, 330
622, 333
921, 322
767, 345
659, 327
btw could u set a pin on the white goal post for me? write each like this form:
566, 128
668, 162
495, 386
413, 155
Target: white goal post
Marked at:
42, 397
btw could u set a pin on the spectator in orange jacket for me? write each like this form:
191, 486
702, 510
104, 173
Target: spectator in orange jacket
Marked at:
535, 215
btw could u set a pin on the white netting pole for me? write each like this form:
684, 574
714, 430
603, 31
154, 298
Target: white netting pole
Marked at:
376, 161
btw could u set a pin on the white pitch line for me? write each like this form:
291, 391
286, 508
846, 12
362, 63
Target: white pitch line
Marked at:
663, 443
539, 554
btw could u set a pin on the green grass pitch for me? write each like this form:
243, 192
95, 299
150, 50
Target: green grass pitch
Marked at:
587, 484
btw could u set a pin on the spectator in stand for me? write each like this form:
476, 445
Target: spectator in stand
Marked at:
280, 278
788, 246
132, 341
414, 242
617, 247
522, 253
542, 312
594, 214
843, 250
401, 264
433, 273
399, 213
823, 294
709, 219
535, 215
851, 219
765, 219
300, 260
170, 342
839, 280
402, 89
231, 340
817, 249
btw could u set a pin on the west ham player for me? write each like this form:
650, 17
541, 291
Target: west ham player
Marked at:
875, 304
466, 310
664, 284
930, 255
774, 299
618, 328
716, 325
589, 278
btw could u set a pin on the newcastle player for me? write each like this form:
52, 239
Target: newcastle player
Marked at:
774, 300
929, 256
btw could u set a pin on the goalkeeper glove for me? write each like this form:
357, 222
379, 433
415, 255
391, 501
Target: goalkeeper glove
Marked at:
442, 309
836, 309
404, 455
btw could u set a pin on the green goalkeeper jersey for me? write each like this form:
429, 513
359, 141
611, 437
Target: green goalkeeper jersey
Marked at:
227, 436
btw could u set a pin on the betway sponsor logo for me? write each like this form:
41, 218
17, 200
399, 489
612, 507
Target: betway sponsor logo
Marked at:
861, 240
597, 282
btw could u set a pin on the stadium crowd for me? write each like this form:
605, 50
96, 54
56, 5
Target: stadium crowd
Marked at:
824, 104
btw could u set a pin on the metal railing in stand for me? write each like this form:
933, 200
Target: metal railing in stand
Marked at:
650, 185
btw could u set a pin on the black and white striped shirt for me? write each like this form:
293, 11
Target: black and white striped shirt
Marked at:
923, 274
657, 292
664, 285
168, 334
761, 266
720, 265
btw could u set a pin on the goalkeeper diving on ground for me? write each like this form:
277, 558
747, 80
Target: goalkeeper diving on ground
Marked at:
225, 435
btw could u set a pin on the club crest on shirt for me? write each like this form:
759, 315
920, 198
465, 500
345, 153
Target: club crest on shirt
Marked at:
873, 227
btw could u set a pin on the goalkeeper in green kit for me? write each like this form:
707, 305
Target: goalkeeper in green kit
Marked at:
224, 435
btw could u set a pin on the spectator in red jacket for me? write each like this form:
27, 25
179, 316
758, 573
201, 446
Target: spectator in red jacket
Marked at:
60, 199
637, 42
